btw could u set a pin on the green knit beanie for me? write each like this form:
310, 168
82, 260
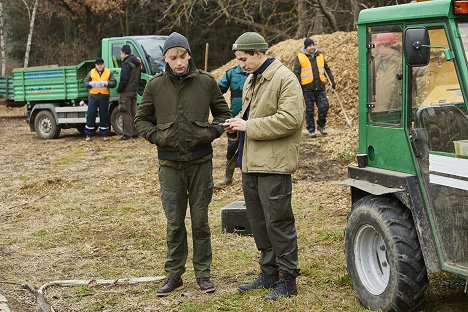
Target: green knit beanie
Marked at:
250, 41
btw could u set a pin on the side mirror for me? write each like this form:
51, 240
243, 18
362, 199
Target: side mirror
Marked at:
416, 47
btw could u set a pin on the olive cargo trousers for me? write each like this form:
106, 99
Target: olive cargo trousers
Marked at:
193, 185
128, 108
268, 203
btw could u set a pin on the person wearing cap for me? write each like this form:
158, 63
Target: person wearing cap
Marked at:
388, 62
269, 129
173, 115
98, 80
233, 80
127, 89
312, 70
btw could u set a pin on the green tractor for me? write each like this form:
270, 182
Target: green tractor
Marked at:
409, 190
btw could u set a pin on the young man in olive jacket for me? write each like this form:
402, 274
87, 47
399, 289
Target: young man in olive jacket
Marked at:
269, 132
173, 114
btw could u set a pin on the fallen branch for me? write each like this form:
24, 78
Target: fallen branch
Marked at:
46, 307
40, 298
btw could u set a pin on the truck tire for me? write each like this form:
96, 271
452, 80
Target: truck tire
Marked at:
46, 126
383, 256
116, 121
81, 129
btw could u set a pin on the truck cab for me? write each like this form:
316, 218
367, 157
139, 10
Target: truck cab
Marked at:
56, 97
409, 192
149, 49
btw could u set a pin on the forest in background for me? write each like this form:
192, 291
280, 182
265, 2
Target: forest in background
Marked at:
66, 32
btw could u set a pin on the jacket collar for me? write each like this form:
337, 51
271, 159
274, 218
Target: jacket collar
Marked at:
269, 71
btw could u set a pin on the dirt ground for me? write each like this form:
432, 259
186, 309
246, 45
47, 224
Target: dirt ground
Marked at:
71, 209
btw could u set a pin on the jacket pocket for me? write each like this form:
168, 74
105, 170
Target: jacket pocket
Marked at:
202, 133
164, 135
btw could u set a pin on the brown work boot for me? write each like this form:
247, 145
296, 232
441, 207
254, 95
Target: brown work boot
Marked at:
170, 285
205, 284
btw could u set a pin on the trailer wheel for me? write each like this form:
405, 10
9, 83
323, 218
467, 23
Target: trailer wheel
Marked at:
383, 255
46, 126
116, 121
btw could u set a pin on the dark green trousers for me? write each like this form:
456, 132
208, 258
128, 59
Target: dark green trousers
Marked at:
192, 185
268, 203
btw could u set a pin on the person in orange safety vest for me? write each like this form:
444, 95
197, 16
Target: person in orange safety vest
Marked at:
98, 80
310, 68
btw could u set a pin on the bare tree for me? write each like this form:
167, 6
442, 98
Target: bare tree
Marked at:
328, 14
32, 16
301, 19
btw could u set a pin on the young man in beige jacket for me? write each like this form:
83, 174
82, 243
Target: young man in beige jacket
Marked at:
269, 129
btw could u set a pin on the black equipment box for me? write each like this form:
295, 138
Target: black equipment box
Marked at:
234, 219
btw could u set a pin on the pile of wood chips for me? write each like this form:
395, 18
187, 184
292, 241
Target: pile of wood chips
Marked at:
341, 54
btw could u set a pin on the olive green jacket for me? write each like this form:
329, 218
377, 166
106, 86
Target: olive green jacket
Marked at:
174, 112
275, 122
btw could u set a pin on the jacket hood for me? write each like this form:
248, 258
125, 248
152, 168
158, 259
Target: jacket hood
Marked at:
303, 50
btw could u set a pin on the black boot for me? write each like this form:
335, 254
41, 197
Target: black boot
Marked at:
284, 287
262, 281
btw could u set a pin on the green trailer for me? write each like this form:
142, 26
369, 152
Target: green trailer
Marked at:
409, 191
55, 96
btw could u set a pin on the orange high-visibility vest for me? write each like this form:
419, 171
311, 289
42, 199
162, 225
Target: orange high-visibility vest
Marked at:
306, 68
96, 77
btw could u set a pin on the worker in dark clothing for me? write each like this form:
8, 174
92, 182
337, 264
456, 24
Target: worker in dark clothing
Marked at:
173, 115
312, 71
127, 89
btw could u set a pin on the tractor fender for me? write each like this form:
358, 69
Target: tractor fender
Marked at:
403, 186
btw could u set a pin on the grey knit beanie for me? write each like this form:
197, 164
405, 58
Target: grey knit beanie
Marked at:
250, 41
176, 40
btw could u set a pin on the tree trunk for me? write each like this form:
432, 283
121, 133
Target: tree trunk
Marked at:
301, 19
2, 40
355, 11
329, 15
31, 29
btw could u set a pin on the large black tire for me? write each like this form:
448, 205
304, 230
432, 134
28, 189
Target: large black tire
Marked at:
46, 126
383, 255
116, 121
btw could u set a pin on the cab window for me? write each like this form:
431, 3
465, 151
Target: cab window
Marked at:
437, 83
385, 75
117, 61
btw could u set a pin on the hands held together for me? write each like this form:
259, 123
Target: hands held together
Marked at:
234, 124
98, 84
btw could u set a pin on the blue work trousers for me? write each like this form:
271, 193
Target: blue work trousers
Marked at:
93, 106
320, 98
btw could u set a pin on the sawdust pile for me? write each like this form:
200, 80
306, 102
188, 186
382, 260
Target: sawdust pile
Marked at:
341, 54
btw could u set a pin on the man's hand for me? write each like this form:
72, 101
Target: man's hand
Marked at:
92, 84
333, 85
235, 124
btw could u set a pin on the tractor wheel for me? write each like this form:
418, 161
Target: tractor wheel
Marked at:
116, 121
383, 255
46, 126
